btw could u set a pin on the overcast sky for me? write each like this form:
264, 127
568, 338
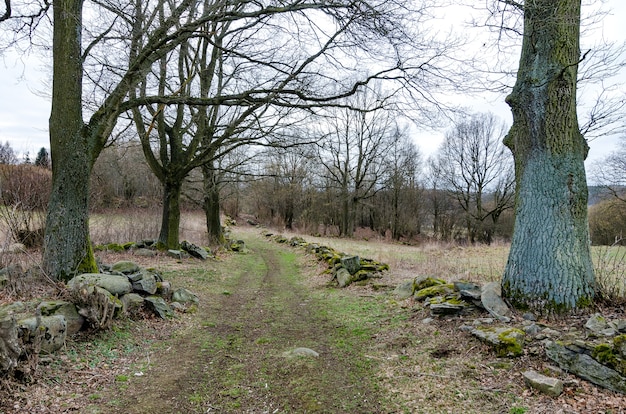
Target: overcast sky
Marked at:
24, 114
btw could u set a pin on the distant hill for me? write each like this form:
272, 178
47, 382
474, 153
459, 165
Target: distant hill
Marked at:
599, 193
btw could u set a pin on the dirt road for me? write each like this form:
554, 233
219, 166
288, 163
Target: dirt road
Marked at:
233, 355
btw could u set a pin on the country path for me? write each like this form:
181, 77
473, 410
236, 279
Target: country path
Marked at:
232, 355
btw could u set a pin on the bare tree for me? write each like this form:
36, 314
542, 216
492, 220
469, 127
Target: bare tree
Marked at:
477, 169
610, 172
350, 150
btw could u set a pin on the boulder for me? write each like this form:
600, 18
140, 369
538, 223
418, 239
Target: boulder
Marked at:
177, 254
422, 282
73, 320
507, 342
436, 290
125, 267
10, 348
115, 284
447, 308
547, 385
183, 295
144, 252
194, 251
343, 277
145, 282
50, 330
404, 290
158, 305
600, 326
491, 299
351, 263
577, 360
131, 303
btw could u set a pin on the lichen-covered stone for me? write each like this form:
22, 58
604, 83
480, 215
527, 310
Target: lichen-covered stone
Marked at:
183, 295
436, 290
404, 290
125, 267
491, 299
131, 303
507, 342
577, 360
351, 263
422, 282
115, 284
74, 321
344, 278
50, 330
547, 385
158, 305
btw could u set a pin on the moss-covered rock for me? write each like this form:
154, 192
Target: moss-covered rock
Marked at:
507, 342
423, 282
436, 290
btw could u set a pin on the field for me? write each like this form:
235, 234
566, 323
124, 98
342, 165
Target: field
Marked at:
378, 354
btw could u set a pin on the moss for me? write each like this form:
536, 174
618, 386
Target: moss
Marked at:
88, 263
437, 290
128, 245
604, 354
114, 247
511, 344
427, 282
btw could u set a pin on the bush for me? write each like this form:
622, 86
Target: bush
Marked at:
24, 194
607, 222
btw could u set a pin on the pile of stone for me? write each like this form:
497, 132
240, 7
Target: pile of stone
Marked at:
96, 299
595, 352
149, 248
345, 269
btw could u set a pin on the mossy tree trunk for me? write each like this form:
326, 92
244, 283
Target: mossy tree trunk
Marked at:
549, 267
67, 248
170, 219
211, 204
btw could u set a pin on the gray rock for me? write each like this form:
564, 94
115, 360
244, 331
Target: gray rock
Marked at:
131, 303
147, 283
343, 277
183, 295
51, 329
158, 305
574, 359
73, 320
194, 251
143, 252
547, 385
177, 254
164, 289
446, 308
126, 267
10, 349
596, 323
491, 298
404, 290
531, 329
303, 352
507, 342
351, 263
467, 290
619, 325
528, 316
427, 321
115, 284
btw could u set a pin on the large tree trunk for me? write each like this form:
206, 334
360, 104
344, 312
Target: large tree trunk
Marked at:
170, 221
67, 248
211, 205
549, 267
